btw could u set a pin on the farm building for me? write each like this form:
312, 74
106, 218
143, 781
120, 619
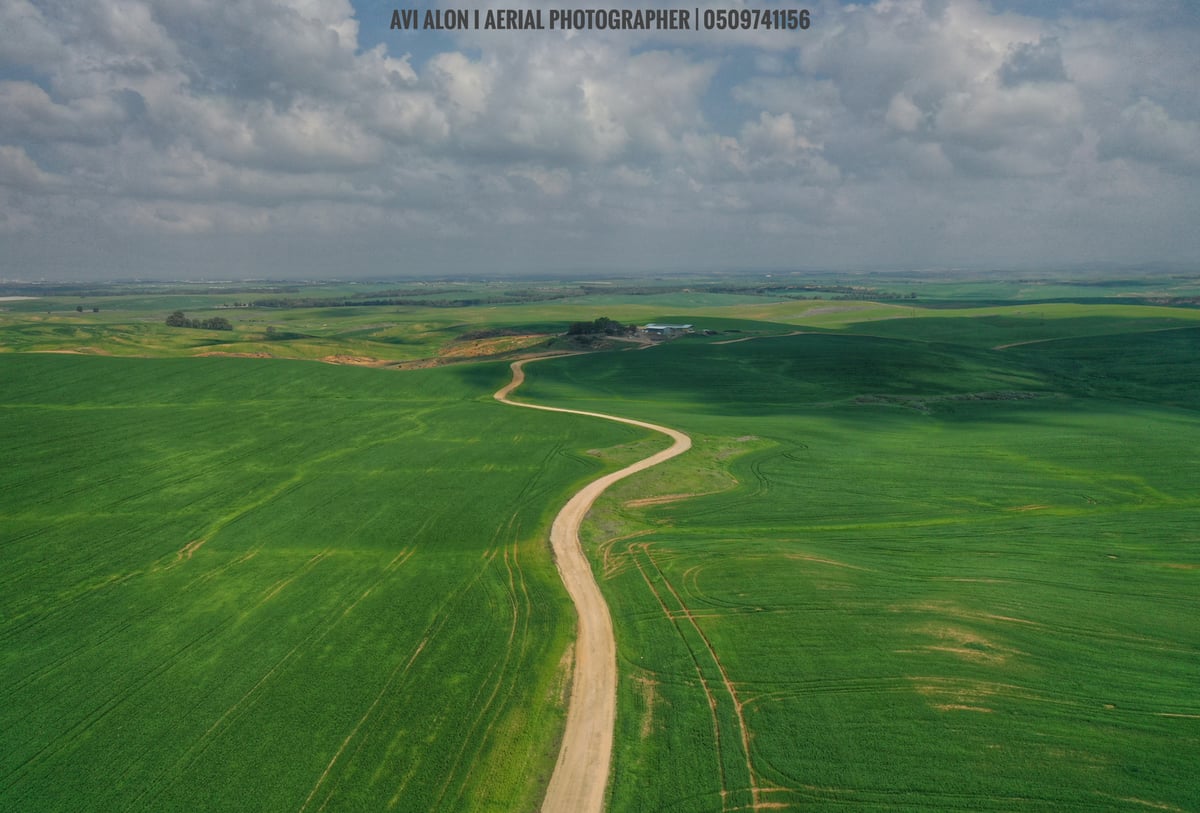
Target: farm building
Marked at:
666, 331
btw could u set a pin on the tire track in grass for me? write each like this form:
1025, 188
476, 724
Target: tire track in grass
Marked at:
286, 487
708, 693
518, 624
220, 570
400, 669
125, 693
755, 790
17, 686
278, 586
363, 728
500, 676
526, 606
183, 555
580, 775
155, 787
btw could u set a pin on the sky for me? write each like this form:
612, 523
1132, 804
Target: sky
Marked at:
162, 139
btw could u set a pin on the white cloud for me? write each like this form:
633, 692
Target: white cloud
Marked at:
775, 135
466, 84
903, 113
19, 171
894, 131
30, 113
27, 38
1147, 132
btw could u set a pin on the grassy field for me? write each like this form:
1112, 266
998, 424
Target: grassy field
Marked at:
916, 574
920, 558
496, 320
240, 584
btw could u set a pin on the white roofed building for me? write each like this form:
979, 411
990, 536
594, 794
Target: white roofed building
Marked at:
655, 329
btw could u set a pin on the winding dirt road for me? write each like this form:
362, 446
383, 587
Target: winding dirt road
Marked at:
581, 773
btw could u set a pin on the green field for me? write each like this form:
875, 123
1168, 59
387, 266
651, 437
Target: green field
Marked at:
238, 584
937, 577
919, 558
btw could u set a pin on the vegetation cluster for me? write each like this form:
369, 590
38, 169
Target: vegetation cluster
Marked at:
178, 319
601, 326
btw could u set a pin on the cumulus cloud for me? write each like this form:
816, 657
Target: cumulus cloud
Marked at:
20, 172
27, 38
264, 124
1147, 132
903, 113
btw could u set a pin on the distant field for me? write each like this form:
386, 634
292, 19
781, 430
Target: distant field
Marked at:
914, 576
238, 584
133, 325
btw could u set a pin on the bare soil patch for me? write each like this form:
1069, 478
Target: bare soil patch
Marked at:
356, 361
189, 549
961, 707
967, 644
663, 500
647, 688
484, 347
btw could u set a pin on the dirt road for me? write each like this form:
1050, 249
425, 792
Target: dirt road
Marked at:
581, 773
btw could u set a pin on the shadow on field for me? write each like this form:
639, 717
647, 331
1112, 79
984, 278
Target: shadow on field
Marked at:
871, 376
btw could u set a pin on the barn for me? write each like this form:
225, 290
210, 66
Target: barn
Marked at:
666, 331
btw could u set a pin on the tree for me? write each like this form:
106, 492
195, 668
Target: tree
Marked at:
609, 327
178, 319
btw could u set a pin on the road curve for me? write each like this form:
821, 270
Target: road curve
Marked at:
581, 773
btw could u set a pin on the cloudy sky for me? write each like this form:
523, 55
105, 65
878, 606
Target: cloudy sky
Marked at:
204, 138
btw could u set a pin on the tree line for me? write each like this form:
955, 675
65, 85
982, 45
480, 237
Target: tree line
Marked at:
609, 327
178, 319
